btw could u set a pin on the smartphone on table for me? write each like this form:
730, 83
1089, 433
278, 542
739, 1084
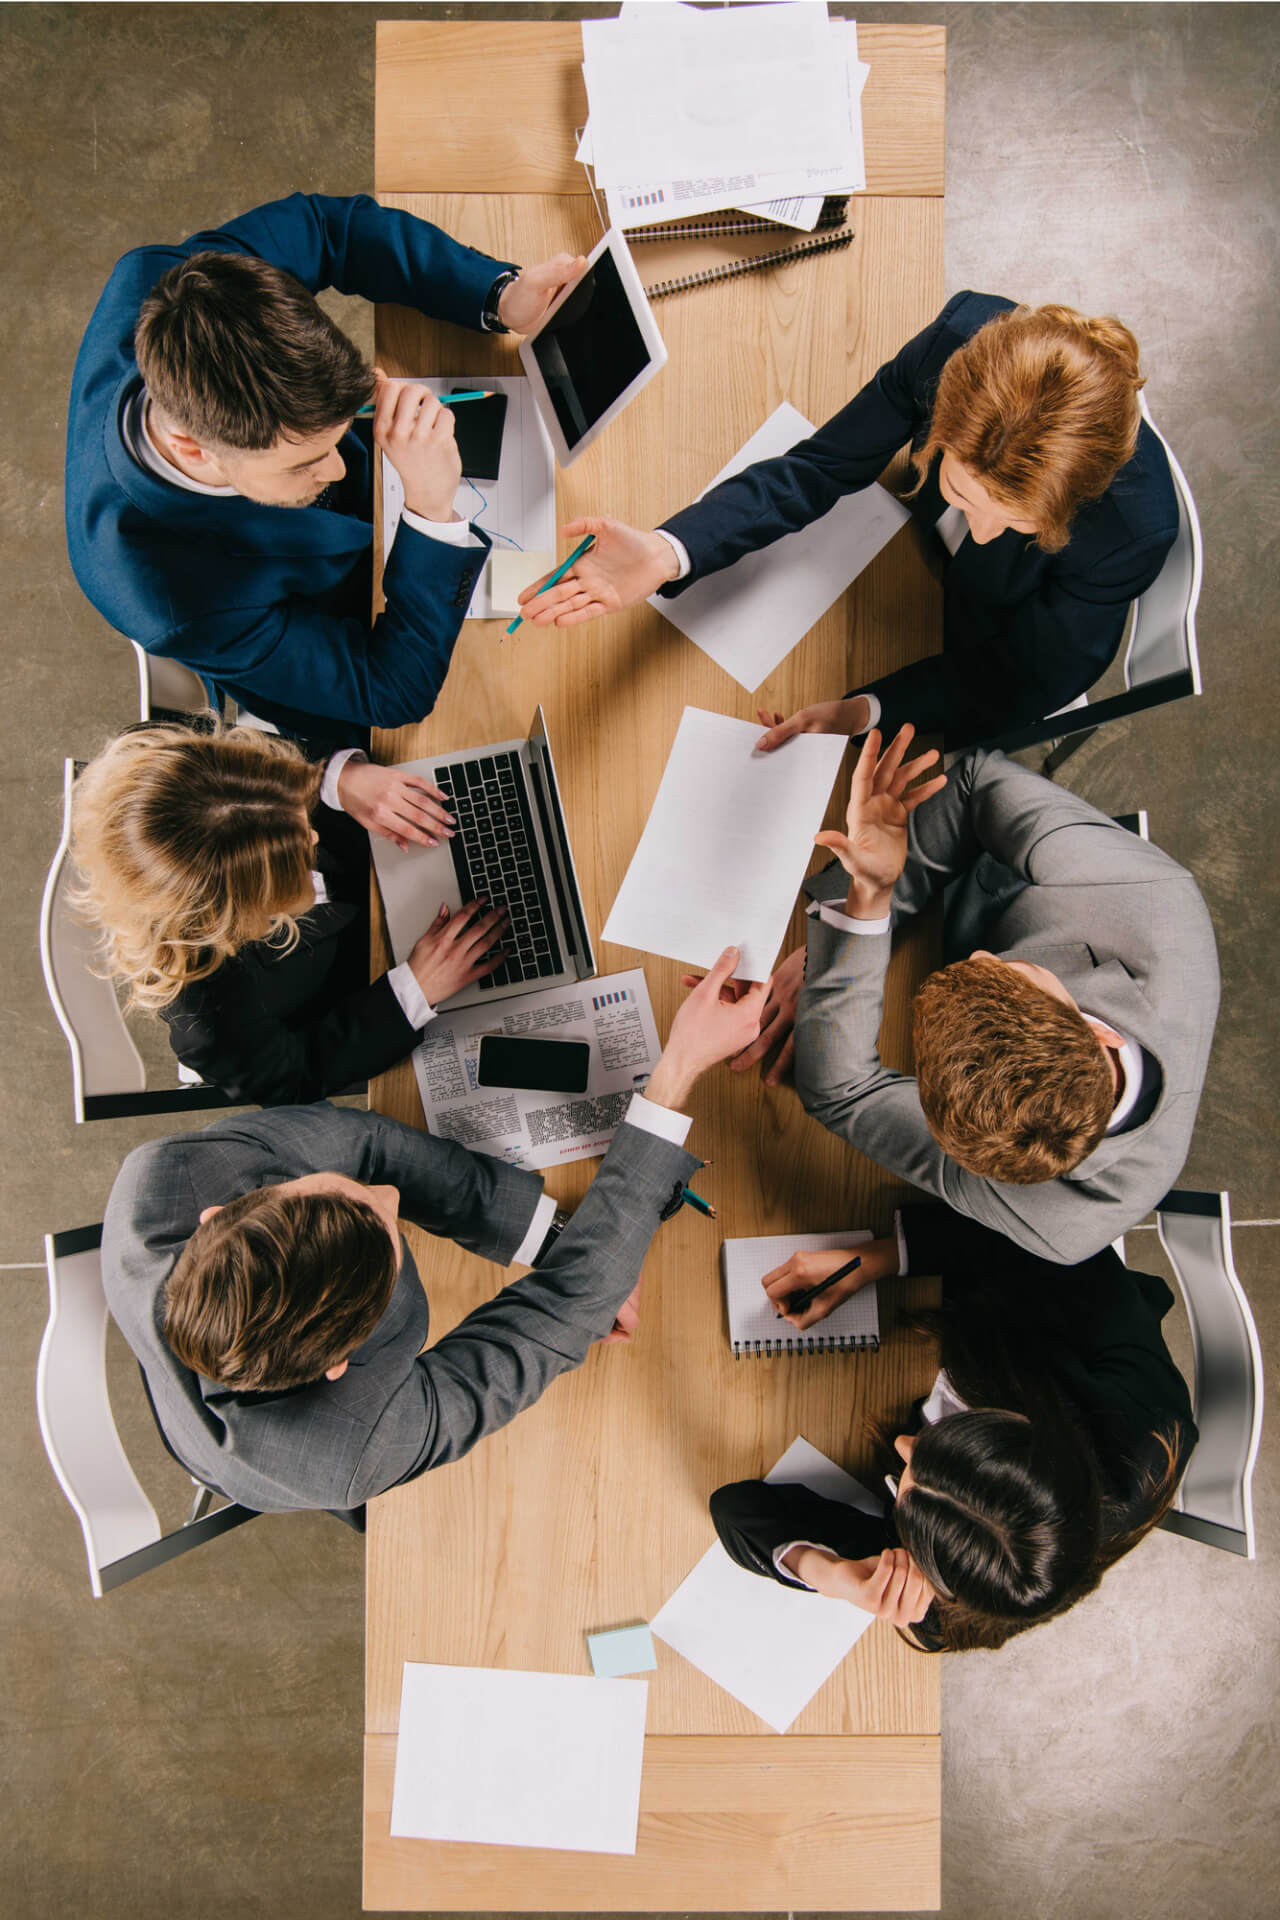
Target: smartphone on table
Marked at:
542, 1066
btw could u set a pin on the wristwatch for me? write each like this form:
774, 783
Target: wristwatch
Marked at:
489, 317
559, 1221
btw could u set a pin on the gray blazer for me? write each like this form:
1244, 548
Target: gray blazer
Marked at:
396, 1410
1032, 872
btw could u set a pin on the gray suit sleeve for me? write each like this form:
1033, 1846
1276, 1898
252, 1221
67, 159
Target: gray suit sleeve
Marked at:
502, 1357
841, 1081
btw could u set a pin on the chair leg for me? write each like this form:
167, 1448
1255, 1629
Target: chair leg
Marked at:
1065, 748
200, 1505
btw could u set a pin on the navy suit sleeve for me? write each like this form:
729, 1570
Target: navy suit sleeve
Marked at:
1004, 667
775, 497
387, 674
361, 248
755, 1517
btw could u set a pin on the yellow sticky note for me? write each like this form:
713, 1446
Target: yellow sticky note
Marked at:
510, 573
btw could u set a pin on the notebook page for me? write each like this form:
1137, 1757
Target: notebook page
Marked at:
751, 1318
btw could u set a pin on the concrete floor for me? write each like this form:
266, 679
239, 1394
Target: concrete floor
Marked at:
192, 1744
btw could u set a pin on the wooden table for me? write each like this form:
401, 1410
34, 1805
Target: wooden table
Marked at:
590, 1509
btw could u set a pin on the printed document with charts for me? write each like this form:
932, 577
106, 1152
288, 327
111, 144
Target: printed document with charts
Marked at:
520, 503
531, 1129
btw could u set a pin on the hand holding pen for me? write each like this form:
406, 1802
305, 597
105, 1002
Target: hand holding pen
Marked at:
808, 1286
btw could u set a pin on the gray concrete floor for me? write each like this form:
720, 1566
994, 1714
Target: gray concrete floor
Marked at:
192, 1744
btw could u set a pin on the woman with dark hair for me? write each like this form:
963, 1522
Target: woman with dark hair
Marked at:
245, 926
1052, 1441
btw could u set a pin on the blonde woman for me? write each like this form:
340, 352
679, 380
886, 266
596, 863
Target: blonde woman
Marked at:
229, 877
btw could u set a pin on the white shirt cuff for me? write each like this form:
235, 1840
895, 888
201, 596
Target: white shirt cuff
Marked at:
454, 533
333, 773
833, 917
680, 551
874, 710
414, 1005
663, 1121
539, 1227
901, 1238
789, 1546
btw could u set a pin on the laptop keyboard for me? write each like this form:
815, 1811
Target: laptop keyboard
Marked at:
495, 857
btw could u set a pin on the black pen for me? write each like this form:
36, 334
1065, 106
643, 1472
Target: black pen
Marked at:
799, 1301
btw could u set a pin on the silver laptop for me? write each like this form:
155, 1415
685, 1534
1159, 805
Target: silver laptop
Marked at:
511, 849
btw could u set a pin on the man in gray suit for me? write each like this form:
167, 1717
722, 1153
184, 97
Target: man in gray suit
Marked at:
1061, 1055
257, 1271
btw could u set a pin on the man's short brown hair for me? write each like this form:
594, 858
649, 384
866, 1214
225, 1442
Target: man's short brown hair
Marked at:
1013, 1083
277, 1288
239, 354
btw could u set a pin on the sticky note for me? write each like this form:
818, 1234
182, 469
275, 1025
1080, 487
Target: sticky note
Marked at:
511, 573
625, 1650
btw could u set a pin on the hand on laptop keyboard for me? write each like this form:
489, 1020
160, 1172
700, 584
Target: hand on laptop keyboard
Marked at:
458, 949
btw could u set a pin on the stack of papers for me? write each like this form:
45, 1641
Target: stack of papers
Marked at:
757, 108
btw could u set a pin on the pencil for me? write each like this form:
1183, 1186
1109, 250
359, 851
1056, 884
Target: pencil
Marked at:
582, 547
445, 399
799, 1301
702, 1206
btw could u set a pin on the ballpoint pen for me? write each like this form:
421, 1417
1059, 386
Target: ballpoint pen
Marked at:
445, 399
799, 1301
582, 547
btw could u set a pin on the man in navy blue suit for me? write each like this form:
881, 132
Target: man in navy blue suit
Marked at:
219, 502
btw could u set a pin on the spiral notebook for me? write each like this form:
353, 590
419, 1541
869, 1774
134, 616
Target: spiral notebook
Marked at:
754, 1328
835, 209
676, 264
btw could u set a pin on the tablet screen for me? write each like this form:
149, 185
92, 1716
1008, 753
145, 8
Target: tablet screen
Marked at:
590, 351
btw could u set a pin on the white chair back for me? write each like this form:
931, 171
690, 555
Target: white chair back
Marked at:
1214, 1502
1162, 627
76, 1423
167, 684
104, 1059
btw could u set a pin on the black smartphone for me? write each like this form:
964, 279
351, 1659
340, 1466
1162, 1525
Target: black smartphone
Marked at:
477, 430
544, 1066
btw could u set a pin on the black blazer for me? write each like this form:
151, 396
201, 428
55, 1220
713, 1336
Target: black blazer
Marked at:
1024, 631
1098, 1328
275, 1029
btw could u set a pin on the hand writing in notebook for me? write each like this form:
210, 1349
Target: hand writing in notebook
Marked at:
810, 1269
624, 567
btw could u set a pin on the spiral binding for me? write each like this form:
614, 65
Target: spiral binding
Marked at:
823, 244
819, 1343
834, 210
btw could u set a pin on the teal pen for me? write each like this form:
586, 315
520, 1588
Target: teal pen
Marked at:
445, 399
582, 547
696, 1200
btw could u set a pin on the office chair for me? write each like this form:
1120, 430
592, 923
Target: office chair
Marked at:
109, 1080
122, 1535
166, 689
1161, 662
1214, 1502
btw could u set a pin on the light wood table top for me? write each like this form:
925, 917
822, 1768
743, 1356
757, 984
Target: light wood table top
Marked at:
590, 1509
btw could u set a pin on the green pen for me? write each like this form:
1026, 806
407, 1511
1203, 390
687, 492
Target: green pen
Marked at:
696, 1200
445, 399
582, 547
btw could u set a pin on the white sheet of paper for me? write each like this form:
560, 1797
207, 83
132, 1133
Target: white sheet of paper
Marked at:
672, 89
520, 503
671, 199
726, 844
770, 1646
749, 616
513, 1759
531, 1129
